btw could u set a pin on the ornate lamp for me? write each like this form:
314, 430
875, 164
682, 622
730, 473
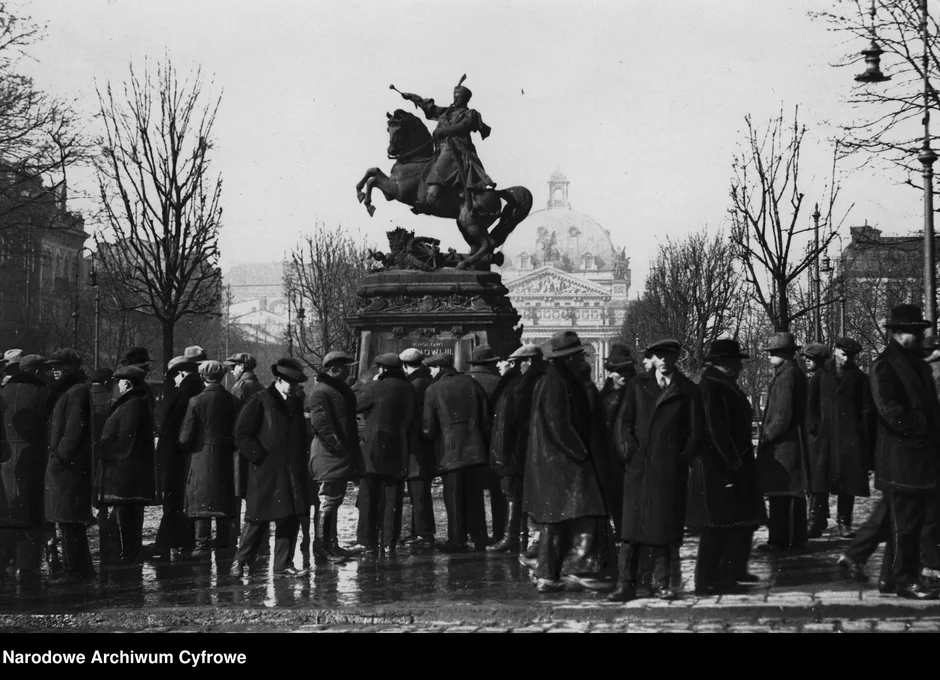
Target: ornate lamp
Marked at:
872, 56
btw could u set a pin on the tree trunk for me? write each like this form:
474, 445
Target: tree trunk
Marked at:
168, 327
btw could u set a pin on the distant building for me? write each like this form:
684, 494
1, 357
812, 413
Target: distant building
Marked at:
257, 305
564, 272
42, 267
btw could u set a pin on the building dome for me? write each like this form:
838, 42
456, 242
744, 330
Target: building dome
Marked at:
561, 237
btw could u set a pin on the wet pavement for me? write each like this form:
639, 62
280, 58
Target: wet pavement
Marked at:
403, 592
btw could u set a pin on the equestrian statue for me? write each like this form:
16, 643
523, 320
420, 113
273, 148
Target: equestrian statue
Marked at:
441, 175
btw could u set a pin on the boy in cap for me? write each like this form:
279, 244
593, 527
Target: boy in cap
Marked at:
387, 407
334, 451
818, 383
782, 460
272, 434
906, 462
68, 474
456, 418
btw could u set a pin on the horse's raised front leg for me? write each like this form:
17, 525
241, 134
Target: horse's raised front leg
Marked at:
370, 173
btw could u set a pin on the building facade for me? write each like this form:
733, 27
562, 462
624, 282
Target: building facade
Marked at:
564, 272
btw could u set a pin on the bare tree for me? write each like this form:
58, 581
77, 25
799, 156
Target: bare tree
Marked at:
770, 222
690, 292
161, 201
323, 275
40, 135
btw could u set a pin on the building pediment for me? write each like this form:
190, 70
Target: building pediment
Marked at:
552, 282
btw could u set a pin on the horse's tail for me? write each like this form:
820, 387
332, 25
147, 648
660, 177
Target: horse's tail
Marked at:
518, 204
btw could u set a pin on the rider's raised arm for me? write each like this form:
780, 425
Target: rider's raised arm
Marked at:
431, 111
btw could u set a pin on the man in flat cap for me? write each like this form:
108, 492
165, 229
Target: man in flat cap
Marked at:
271, 433
22, 467
182, 383
621, 369
782, 458
906, 464
659, 431
420, 455
68, 474
483, 369
562, 489
512, 415
724, 475
246, 384
456, 418
334, 451
819, 380
457, 163
206, 439
387, 407
852, 425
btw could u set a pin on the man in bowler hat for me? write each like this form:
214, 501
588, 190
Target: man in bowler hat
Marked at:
906, 460
782, 460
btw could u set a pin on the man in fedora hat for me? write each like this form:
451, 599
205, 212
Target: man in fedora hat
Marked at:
182, 383
659, 430
906, 461
272, 434
420, 455
334, 451
483, 369
508, 437
724, 475
68, 474
456, 418
9, 364
387, 408
246, 384
782, 460
852, 425
562, 488
818, 382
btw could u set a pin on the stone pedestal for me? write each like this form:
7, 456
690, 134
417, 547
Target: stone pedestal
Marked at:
446, 311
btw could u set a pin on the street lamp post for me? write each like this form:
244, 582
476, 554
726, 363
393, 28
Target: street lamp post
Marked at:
927, 157
93, 280
817, 280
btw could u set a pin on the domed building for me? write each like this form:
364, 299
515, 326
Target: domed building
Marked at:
564, 272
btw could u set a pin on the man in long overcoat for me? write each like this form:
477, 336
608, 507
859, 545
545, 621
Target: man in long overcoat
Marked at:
206, 437
483, 369
782, 460
852, 425
22, 466
456, 418
420, 455
819, 379
182, 383
725, 475
246, 384
562, 487
659, 431
68, 473
334, 450
387, 407
906, 463
272, 434
126, 479
621, 369
508, 436
101, 390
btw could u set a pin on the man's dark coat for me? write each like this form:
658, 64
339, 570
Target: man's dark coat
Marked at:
207, 438
782, 459
456, 418
421, 462
334, 450
126, 472
22, 451
852, 423
69, 473
387, 406
246, 386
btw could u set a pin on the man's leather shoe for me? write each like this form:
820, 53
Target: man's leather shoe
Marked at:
886, 587
533, 550
547, 586
769, 547
199, 554
665, 593
747, 577
918, 592
850, 568
816, 528
454, 547
422, 544
291, 572
622, 594
237, 570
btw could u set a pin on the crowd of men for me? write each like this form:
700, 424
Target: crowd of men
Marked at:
593, 472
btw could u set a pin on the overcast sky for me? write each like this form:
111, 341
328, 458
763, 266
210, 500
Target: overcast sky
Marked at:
641, 104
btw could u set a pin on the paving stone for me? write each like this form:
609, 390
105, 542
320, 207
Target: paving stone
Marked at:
890, 626
838, 597
462, 629
748, 628
862, 626
924, 627
529, 629
708, 628
493, 629
818, 627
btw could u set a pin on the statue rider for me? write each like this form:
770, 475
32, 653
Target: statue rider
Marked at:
456, 162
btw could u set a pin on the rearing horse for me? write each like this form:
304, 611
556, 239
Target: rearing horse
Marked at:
412, 148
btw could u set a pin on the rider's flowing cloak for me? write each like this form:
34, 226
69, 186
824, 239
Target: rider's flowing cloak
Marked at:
456, 155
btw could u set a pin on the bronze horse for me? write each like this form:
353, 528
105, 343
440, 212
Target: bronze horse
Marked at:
411, 147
